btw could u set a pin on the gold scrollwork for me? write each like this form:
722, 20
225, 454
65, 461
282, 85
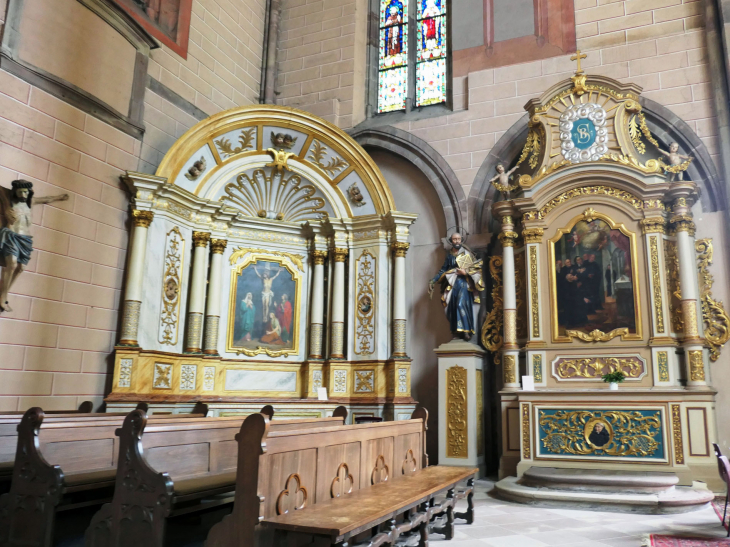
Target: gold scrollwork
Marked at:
318, 155
537, 368
630, 433
171, 282
480, 413
532, 235
696, 366
674, 298
457, 445
508, 238
595, 367
239, 252
654, 225
142, 219
365, 304
597, 335
531, 148
663, 365
677, 434
633, 200
245, 142
521, 297
656, 283
526, 452
491, 334
534, 294
716, 320
510, 369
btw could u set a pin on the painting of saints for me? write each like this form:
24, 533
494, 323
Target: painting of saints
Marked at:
599, 437
394, 30
589, 295
263, 308
431, 30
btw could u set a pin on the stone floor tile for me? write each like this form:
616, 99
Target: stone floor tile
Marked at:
558, 537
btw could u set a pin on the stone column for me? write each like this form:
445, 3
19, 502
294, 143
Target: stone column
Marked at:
316, 322
213, 304
510, 349
135, 278
399, 298
337, 349
692, 343
196, 305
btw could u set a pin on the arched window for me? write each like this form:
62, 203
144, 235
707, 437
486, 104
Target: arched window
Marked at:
402, 48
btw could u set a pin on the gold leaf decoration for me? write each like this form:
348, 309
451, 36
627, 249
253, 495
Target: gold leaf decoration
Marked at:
597, 335
716, 321
491, 334
245, 142
674, 298
596, 367
635, 134
318, 155
645, 130
240, 252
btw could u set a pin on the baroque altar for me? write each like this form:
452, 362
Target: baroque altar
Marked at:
597, 223
267, 262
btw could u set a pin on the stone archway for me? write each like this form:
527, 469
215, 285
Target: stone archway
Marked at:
429, 162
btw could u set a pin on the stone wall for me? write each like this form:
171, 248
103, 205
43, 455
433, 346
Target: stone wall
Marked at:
55, 347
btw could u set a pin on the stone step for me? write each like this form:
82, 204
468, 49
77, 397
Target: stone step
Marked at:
596, 480
679, 499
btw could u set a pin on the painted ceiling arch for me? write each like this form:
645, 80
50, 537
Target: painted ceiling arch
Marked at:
278, 163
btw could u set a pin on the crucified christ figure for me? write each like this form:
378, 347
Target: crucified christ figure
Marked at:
16, 243
267, 295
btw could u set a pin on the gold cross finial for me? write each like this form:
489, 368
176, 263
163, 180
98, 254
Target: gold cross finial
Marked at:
577, 57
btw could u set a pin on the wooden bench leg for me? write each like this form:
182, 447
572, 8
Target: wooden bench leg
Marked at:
448, 529
468, 515
423, 529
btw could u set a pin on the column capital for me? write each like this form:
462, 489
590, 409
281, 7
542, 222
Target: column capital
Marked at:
319, 257
532, 235
508, 238
201, 239
340, 254
218, 245
400, 248
654, 225
142, 219
683, 223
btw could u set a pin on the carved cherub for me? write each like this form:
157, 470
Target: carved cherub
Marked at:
197, 169
678, 163
501, 180
282, 140
356, 196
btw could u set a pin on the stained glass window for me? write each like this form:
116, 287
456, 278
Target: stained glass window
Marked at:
393, 58
431, 52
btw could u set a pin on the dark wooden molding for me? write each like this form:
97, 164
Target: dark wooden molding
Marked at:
169, 95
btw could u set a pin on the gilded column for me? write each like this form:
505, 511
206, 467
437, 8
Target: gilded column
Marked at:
510, 350
213, 303
337, 347
399, 298
316, 324
135, 278
196, 305
692, 343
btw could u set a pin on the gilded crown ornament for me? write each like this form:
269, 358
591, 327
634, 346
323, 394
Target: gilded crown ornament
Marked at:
280, 158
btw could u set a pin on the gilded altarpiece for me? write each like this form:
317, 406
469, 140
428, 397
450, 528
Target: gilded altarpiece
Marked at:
605, 216
270, 234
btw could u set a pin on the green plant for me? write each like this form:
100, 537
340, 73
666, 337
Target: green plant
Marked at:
615, 376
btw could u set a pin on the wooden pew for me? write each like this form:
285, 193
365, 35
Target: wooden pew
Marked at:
9, 430
199, 463
69, 463
292, 473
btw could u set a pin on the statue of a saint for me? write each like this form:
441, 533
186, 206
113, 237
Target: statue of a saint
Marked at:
16, 243
461, 283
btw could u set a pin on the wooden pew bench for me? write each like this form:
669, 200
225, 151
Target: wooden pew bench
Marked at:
69, 463
286, 472
398, 512
167, 470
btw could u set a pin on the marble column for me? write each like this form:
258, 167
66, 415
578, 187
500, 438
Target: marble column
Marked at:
213, 302
316, 321
135, 278
399, 298
337, 344
196, 305
692, 343
510, 349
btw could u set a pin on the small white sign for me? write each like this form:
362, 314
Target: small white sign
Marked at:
322, 393
528, 383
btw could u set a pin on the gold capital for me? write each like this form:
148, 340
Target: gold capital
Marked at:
319, 257
683, 223
654, 225
143, 219
532, 235
218, 245
201, 239
400, 249
508, 238
341, 254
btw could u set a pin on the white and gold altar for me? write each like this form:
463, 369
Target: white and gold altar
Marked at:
609, 277
267, 262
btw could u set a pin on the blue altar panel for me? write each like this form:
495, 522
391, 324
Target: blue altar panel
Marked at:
602, 433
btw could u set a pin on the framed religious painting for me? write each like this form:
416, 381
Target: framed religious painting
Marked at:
594, 290
166, 20
263, 315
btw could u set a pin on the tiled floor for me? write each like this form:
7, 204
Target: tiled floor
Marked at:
505, 524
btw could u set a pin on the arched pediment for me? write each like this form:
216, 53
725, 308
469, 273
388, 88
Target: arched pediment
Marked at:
278, 163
